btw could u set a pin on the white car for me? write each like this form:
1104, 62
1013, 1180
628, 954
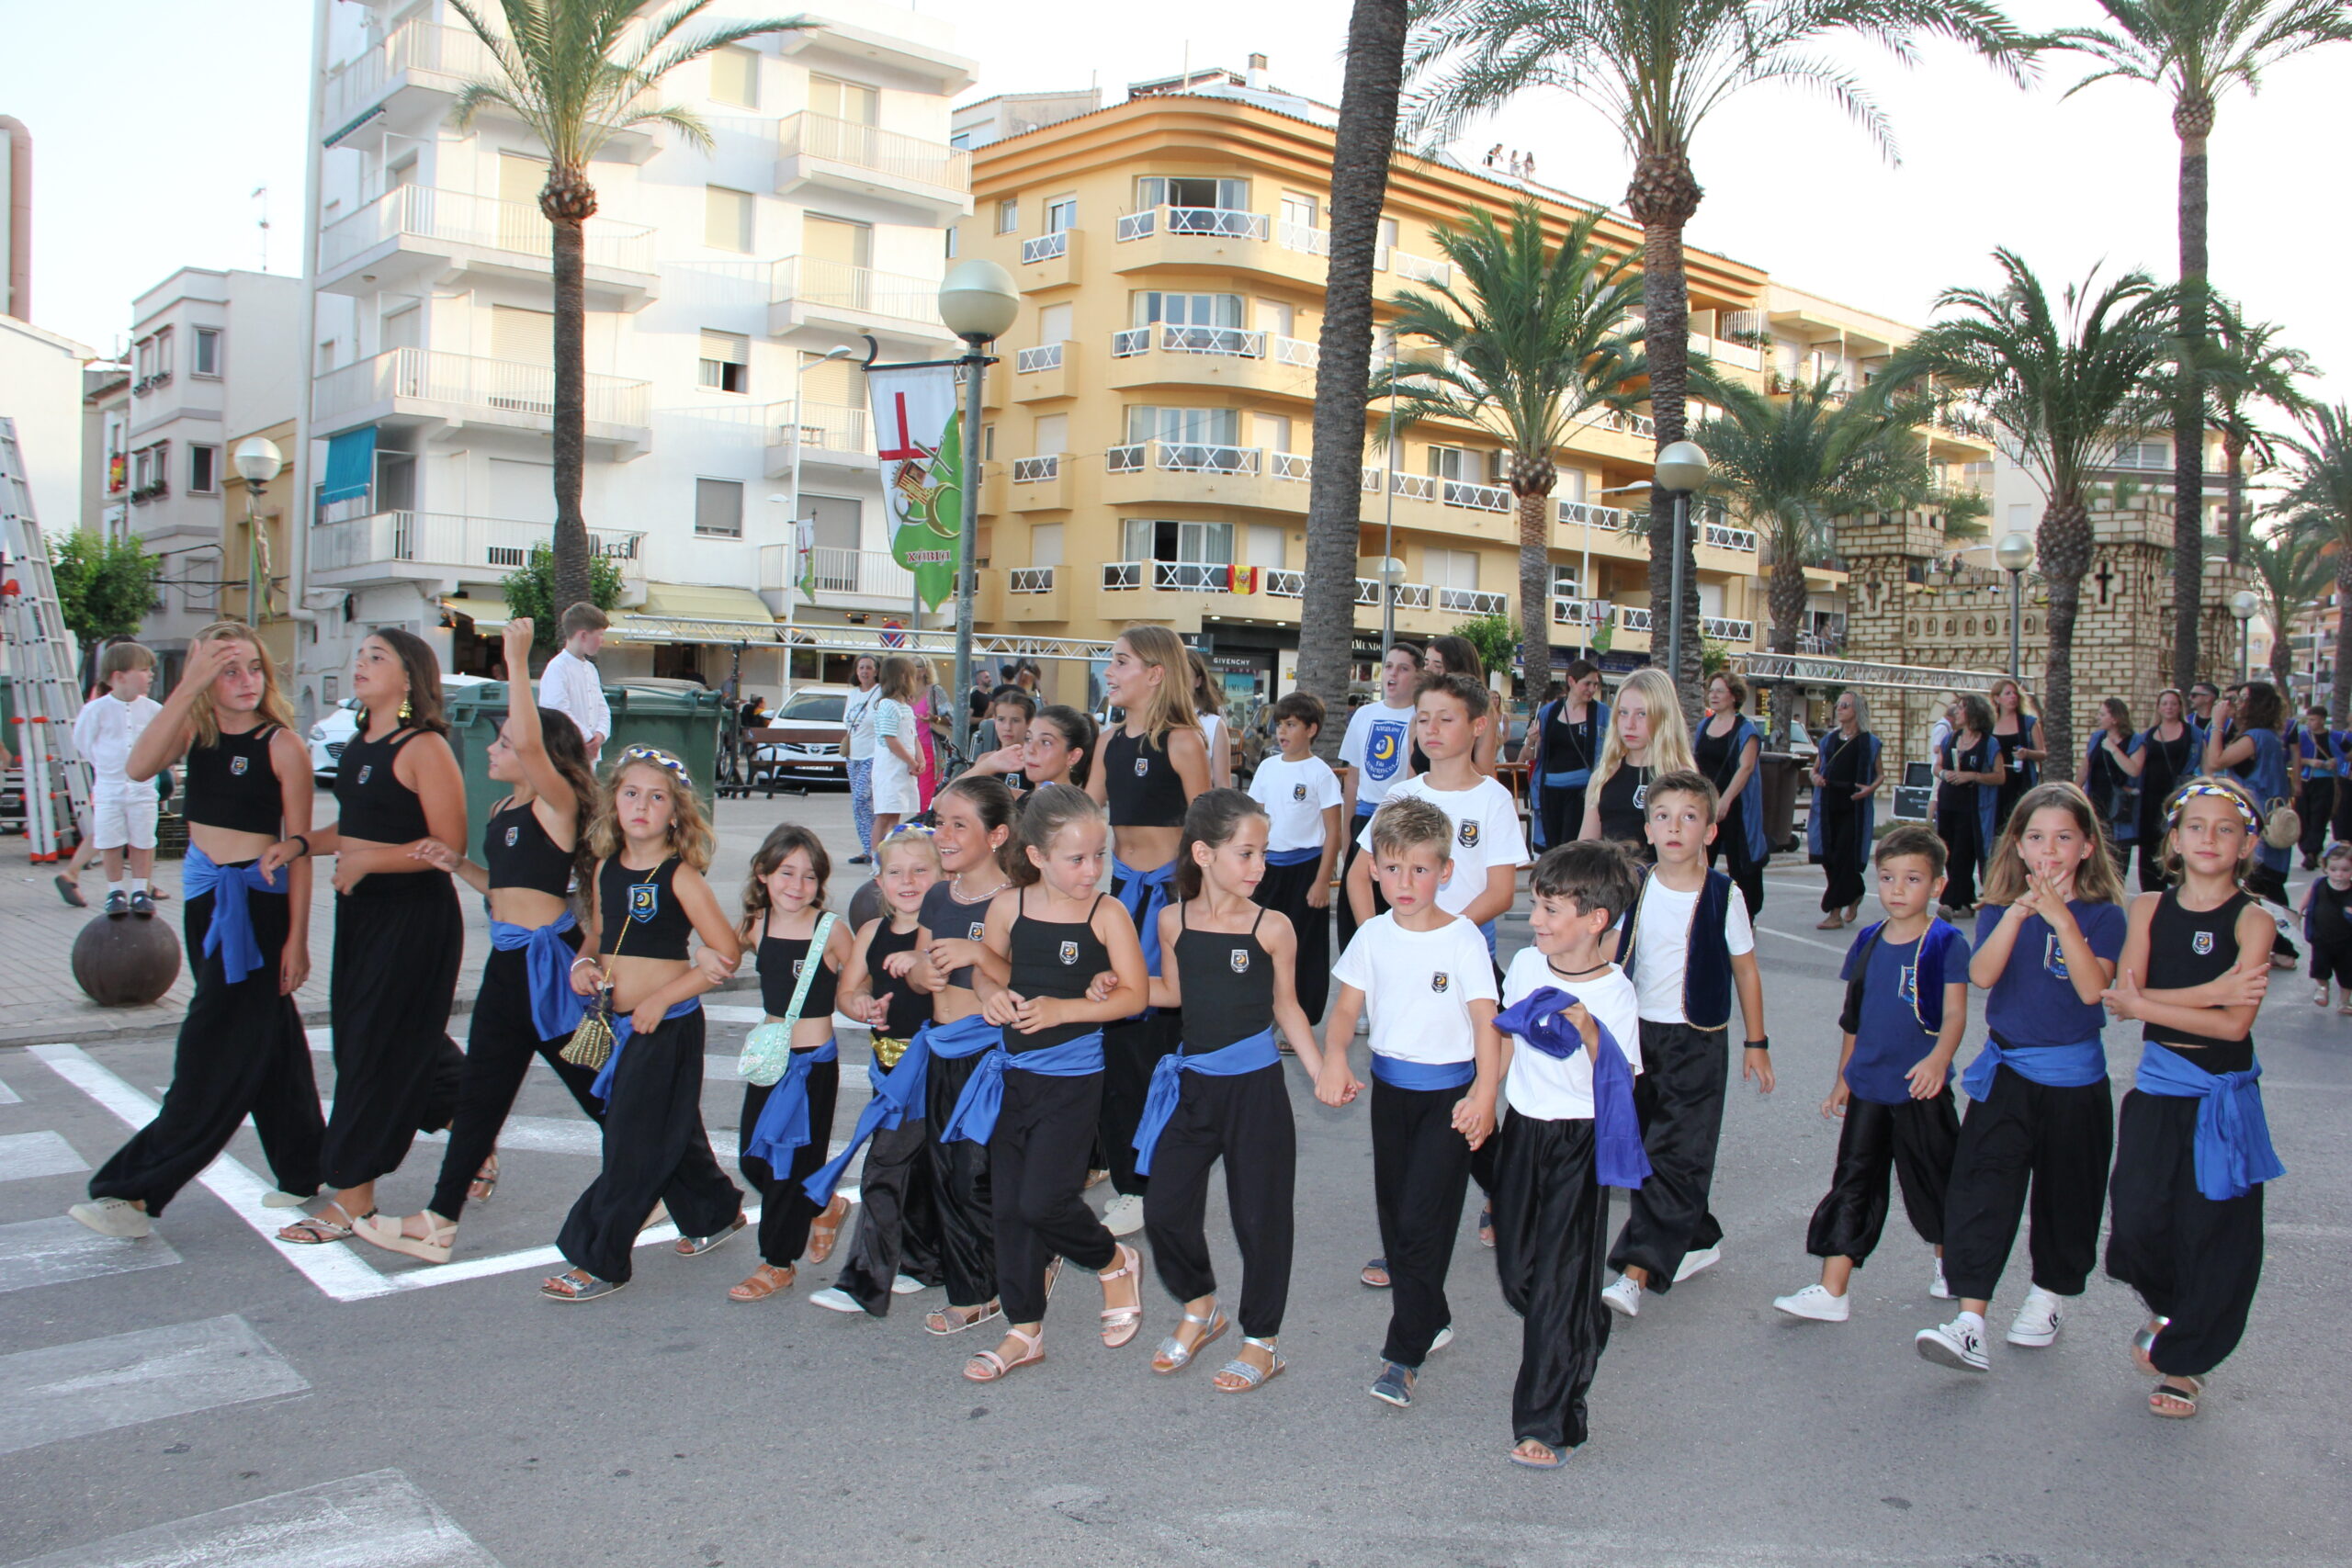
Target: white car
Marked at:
333, 733
813, 743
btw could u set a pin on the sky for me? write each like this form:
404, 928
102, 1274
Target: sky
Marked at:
157, 170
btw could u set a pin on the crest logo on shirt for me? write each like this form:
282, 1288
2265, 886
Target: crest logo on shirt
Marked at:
237, 766
978, 930
644, 901
797, 966
1143, 766
364, 769
2053, 957
1386, 746
1469, 835
1297, 791
1240, 961
1908, 989
1441, 981
1641, 798
514, 835
2201, 943
1069, 952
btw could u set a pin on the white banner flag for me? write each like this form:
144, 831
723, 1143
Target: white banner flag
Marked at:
922, 471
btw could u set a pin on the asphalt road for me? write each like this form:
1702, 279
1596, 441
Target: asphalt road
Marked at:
199, 1399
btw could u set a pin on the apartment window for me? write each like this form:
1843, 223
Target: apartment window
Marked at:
520, 337
1300, 210
727, 218
152, 360
987, 444
2143, 454
951, 244
1211, 427
1390, 234
326, 355
1450, 569
1171, 190
735, 77
726, 362
150, 471
404, 327
1273, 431
203, 470
852, 101
1061, 213
1455, 463
1046, 544
1149, 539
1008, 215
1187, 310
1051, 436
718, 509
206, 359
118, 452
1054, 324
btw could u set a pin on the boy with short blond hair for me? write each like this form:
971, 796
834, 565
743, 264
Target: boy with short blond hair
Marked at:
570, 684
1303, 801
122, 809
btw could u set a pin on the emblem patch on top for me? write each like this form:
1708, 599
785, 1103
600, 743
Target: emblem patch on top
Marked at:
1468, 834
2053, 957
644, 901
237, 766
364, 769
1441, 980
1143, 766
1069, 952
514, 835
1297, 791
1240, 961
2201, 943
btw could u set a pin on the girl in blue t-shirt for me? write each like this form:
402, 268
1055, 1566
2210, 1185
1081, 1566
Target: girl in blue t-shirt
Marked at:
2040, 1116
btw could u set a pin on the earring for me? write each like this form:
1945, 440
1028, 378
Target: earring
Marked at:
406, 711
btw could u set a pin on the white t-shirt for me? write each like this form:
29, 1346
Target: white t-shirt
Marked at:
1417, 986
1665, 929
1562, 1091
1379, 747
1486, 834
857, 718
104, 733
570, 685
1294, 795
895, 786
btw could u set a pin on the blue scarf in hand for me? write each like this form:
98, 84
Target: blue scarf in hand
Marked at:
1618, 1157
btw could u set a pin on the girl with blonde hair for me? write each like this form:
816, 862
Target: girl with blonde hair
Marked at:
1647, 737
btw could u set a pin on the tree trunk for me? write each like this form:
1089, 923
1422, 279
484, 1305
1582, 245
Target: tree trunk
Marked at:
2282, 669
1535, 596
1366, 133
1785, 596
2064, 545
1662, 198
2194, 121
569, 201
2340, 697
2233, 449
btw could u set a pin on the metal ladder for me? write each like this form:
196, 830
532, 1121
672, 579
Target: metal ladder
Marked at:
44, 692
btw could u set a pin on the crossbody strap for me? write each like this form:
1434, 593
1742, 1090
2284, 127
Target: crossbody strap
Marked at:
808, 969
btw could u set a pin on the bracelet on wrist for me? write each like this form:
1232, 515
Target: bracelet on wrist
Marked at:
303, 840
1762, 1042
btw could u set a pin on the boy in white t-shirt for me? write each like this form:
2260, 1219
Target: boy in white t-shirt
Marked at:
1551, 1213
1302, 796
1375, 755
1688, 945
1449, 718
122, 809
1429, 984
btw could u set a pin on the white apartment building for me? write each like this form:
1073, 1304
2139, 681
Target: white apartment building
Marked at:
40, 389
718, 282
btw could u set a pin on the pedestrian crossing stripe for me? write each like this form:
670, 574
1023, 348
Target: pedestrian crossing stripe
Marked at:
380, 1518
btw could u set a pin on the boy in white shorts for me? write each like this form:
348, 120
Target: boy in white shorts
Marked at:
122, 809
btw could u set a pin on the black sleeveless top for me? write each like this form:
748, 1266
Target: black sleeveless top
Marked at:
231, 784
641, 916
370, 802
1230, 985
780, 962
1141, 781
944, 915
1625, 799
517, 853
1570, 746
1054, 958
909, 1008
2190, 947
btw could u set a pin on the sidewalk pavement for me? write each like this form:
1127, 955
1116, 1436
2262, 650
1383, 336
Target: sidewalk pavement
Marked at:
40, 1004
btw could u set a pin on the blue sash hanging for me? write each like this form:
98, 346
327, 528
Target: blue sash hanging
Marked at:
231, 933
624, 1029
556, 1008
1145, 894
2053, 1067
897, 1091
1294, 857
1252, 1054
2234, 1150
966, 1036
1618, 1157
783, 1127
974, 1118
1398, 1073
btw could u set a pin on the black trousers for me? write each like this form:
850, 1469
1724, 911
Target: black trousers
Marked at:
500, 1044
2264, 882
1958, 830
1037, 1156
1551, 1217
785, 1209
398, 943
1285, 887
1845, 859
1420, 1172
2318, 808
242, 1051
1746, 871
2024, 1135
2342, 826
897, 1222
1130, 1049
2153, 878
2333, 962
655, 1150
1679, 1099
1343, 909
1914, 1142
962, 1188
1562, 816
1246, 1120
2193, 1261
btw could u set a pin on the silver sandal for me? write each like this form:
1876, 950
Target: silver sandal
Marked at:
317, 1230
1173, 1351
1252, 1378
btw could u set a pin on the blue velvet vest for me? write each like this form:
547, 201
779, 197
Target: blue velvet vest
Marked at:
1706, 970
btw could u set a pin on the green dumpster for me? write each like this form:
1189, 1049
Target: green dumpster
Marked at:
474, 713
679, 716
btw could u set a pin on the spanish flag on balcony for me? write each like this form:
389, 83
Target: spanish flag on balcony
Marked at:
1244, 579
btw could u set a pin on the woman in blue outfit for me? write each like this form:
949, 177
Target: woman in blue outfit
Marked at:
2247, 742
1729, 748
1561, 747
2111, 781
1844, 820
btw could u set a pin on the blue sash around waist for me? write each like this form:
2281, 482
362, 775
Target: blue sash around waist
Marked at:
2233, 1152
783, 1127
2053, 1067
231, 934
1145, 894
974, 1118
1398, 1073
966, 1036
897, 1091
624, 1028
556, 1008
1618, 1157
1294, 857
1575, 778
1365, 808
1252, 1054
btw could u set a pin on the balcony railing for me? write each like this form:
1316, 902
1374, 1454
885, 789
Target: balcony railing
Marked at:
1633, 618
1181, 458
1030, 580
1593, 613
1168, 575
909, 158
1218, 222
873, 574
461, 219
1033, 470
834, 427
1414, 487
1584, 513
1476, 497
1722, 536
1283, 583
1473, 602
1722, 629
840, 286
508, 386
1622, 422
1238, 343
1413, 595
1045, 247
414, 45
1044, 357
1302, 237
1417, 269
451, 539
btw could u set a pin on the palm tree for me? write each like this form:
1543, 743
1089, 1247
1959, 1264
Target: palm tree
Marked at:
1361, 145
575, 72
1529, 339
1655, 69
2319, 497
2062, 386
2257, 369
2292, 572
2196, 50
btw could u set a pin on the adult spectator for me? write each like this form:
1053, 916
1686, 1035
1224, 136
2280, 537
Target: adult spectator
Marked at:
2110, 780
1561, 747
570, 684
2201, 698
858, 724
2247, 741
983, 690
2017, 729
2169, 750
2321, 755
1844, 820
1970, 769
1728, 749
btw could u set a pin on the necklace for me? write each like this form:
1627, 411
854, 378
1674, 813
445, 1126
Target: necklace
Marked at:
956, 888
1575, 973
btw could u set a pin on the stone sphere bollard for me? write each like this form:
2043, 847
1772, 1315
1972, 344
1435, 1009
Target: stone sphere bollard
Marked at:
126, 962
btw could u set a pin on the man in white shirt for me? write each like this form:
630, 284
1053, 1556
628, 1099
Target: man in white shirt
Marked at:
570, 684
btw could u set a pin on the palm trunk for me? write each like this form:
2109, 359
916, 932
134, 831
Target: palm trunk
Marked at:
2282, 666
2233, 449
1785, 596
2063, 546
1536, 595
1360, 146
568, 202
2340, 697
2194, 121
1662, 197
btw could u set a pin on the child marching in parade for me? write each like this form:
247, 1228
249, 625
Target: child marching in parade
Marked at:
1301, 797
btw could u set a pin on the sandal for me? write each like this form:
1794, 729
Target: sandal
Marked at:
2143, 1346
1252, 1378
1121, 1324
317, 1230
695, 1246
1829, 923
1375, 1274
1485, 1224
2170, 1391
1173, 1356
578, 1285
764, 1281
826, 1229
1554, 1458
1053, 1272
434, 1246
947, 1320
71, 891
987, 1366
485, 1182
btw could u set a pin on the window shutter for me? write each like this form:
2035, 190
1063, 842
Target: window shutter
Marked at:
521, 337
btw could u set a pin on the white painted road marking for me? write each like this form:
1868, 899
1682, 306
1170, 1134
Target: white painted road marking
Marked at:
27, 1154
9, 1096
1785, 936
72, 1391
52, 1252
380, 1521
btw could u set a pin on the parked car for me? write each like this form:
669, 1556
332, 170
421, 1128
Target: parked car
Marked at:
333, 733
804, 738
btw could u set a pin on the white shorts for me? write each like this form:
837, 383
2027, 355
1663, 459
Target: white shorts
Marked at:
896, 794
125, 817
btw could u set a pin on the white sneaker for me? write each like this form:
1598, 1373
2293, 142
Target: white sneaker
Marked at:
1123, 1214
1959, 1344
834, 1299
1698, 1262
1622, 1297
1445, 1337
1939, 1290
2036, 1324
114, 1216
1815, 1304
906, 1285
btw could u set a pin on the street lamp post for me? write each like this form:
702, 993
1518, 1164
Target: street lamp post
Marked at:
792, 504
2014, 552
2244, 606
1681, 467
257, 461
978, 302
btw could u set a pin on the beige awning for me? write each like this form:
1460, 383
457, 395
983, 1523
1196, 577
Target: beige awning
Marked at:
692, 613
489, 615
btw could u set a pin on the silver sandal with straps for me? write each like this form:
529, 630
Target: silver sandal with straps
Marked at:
1252, 1378
1172, 1357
